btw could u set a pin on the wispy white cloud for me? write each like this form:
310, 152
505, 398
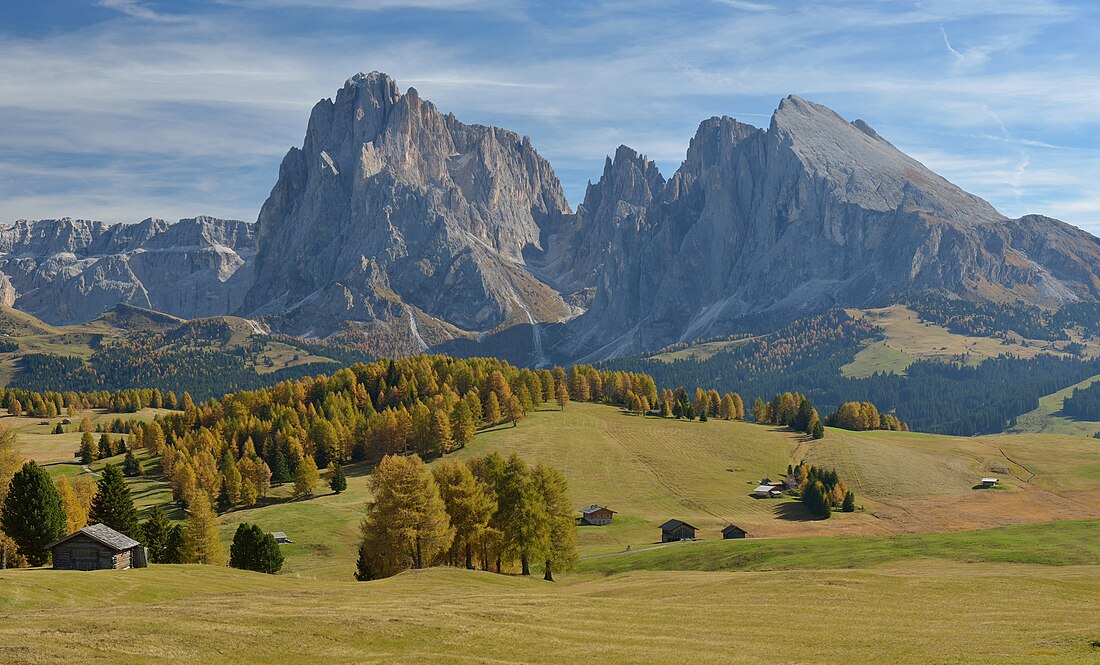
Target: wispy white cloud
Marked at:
230, 87
950, 49
745, 5
135, 9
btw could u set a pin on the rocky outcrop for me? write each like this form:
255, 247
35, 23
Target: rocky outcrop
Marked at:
397, 224
70, 271
392, 211
814, 212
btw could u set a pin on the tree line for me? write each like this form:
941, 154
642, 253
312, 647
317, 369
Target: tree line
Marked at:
792, 410
860, 416
933, 396
232, 450
1083, 403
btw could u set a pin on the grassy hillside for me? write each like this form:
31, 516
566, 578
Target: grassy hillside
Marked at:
917, 597
912, 614
1052, 543
1049, 419
650, 470
909, 338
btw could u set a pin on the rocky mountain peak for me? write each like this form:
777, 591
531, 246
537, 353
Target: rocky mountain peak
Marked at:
443, 210
397, 222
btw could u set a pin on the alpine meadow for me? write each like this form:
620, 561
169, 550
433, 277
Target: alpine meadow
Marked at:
811, 379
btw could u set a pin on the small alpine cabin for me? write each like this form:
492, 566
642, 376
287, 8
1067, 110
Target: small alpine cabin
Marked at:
731, 531
98, 547
989, 482
674, 530
596, 515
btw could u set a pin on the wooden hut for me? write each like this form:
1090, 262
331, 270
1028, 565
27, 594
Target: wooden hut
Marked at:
674, 530
989, 482
281, 538
731, 531
596, 515
98, 547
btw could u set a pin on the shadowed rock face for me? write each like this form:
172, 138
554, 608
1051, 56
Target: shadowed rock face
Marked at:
69, 271
812, 213
396, 221
390, 207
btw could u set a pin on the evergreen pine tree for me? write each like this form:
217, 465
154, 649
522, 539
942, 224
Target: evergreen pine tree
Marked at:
849, 504
87, 448
130, 465
337, 480
224, 503
363, 571
32, 514
104, 450
173, 547
155, 531
252, 549
280, 472
113, 504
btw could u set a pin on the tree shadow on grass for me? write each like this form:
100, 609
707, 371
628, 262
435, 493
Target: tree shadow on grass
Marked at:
794, 511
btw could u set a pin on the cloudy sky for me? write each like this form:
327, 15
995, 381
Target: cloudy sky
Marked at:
124, 109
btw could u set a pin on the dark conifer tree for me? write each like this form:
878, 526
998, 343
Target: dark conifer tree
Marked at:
280, 472
130, 465
32, 514
87, 448
338, 481
363, 572
104, 446
113, 504
224, 502
156, 535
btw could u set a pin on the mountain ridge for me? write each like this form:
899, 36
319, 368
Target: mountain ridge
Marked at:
396, 221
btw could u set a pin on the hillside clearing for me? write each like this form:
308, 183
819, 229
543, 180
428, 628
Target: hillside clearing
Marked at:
1052, 544
1048, 417
909, 338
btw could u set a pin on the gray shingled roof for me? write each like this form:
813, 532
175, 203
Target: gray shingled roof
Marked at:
105, 535
593, 508
672, 524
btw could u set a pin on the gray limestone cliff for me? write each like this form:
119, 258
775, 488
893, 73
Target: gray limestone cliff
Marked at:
69, 271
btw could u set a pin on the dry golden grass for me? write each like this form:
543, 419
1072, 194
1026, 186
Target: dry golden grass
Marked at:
651, 470
37, 441
914, 613
920, 482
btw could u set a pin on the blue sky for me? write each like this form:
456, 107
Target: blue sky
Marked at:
124, 109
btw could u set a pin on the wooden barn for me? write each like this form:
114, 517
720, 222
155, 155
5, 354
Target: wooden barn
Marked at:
596, 515
98, 547
989, 482
281, 538
674, 530
731, 531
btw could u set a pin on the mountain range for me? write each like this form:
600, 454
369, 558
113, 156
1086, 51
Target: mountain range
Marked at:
397, 221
